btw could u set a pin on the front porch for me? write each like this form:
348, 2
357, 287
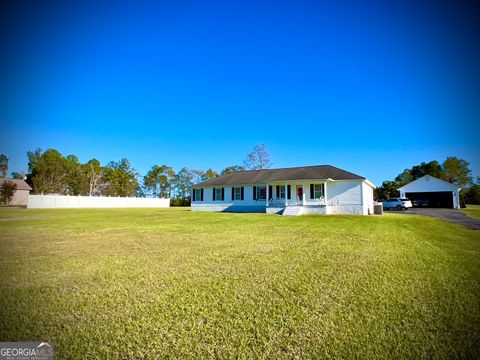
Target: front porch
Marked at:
294, 198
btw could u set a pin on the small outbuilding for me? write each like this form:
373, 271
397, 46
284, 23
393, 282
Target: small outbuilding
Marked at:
20, 197
429, 191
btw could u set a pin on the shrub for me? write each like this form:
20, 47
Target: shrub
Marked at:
7, 190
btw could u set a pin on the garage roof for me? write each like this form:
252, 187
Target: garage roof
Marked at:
429, 183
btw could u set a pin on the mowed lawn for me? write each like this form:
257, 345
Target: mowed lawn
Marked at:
169, 283
472, 211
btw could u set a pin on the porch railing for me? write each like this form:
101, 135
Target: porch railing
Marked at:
295, 202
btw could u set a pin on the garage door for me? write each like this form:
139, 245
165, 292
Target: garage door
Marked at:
438, 199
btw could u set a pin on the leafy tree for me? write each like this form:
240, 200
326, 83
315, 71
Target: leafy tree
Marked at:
258, 158
184, 181
48, 171
120, 178
33, 158
159, 181
140, 191
471, 194
32, 162
84, 179
17, 175
209, 174
453, 169
404, 178
7, 190
456, 170
76, 178
432, 168
93, 172
387, 190
3, 165
232, 169
180, 201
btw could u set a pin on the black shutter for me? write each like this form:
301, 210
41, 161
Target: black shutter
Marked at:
233, 193
270, 192
312, 192
213, 194
193, 194
289, 192
254, 193
223, 194
241, 195
278, 191
201, 194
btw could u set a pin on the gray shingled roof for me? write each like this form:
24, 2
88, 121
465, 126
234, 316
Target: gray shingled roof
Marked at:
318, 172
21, 184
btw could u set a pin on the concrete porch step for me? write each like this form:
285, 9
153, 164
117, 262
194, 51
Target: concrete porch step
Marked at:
292, 211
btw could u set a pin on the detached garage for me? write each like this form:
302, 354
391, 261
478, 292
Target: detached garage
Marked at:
428, 191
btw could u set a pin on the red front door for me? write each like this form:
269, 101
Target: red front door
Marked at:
299, 193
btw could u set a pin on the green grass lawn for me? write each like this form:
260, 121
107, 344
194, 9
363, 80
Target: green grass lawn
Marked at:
472, 211
148, 283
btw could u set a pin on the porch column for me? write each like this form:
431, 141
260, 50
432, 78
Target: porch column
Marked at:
286, 195
325, 192
268, 195
303, 194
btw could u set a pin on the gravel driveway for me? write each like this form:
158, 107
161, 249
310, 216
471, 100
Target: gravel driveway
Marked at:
451, 215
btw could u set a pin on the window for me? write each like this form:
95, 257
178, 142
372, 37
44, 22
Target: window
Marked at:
280, 191
218, 194
198, 195
318, 190
261, 192
237, 194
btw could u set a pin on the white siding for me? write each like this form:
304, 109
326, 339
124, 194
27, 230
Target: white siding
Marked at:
247, 198
345, 192
367, 199
247, 204
309, 201
345, 197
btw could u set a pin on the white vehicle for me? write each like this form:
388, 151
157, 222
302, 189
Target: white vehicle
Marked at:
397, 203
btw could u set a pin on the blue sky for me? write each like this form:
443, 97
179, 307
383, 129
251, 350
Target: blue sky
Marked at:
372, 88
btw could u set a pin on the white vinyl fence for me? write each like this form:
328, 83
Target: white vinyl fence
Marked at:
63, 201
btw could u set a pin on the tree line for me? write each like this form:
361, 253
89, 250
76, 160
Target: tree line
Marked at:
49, 172
452, 170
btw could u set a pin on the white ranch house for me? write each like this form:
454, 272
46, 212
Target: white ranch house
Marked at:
322, 189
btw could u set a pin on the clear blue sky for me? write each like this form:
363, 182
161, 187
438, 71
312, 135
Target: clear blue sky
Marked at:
371, 87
